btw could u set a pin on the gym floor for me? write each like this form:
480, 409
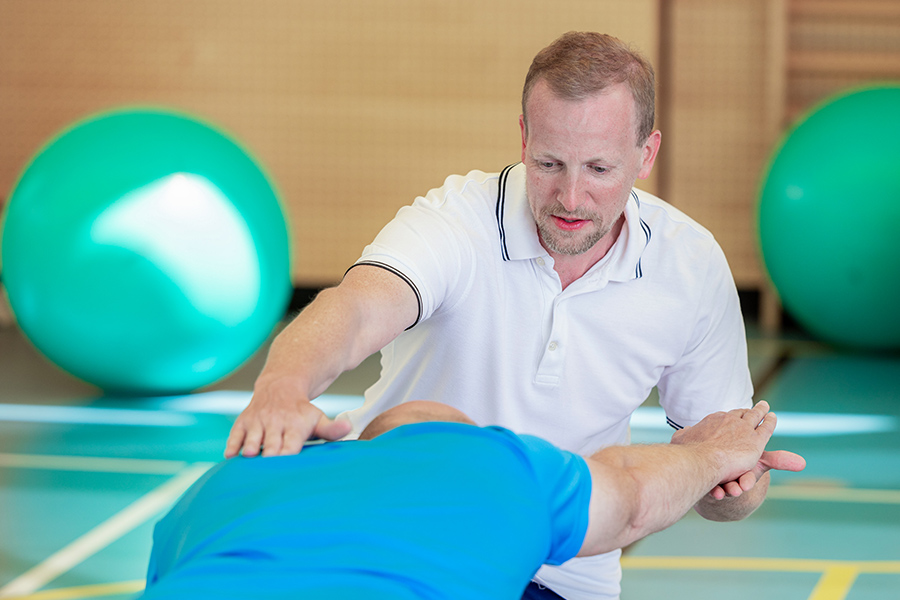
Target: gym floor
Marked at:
84, 478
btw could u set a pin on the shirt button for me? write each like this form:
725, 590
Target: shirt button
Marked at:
540, 262
553, 346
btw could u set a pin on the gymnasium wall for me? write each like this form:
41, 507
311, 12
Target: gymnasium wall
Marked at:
355, 107
735, 76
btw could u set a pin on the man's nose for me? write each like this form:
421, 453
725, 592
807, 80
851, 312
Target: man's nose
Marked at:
570, 192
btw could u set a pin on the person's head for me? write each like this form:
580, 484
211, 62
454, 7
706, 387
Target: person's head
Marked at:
582, 64
416, 411
585, 141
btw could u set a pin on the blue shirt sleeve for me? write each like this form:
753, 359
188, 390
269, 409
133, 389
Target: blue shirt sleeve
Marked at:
565, 480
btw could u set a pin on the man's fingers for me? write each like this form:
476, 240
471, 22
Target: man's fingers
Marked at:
732, 488
299, 431
287, 437
758, 412
748, 480
782, 460
768, 424
273, 441
235, 440
293, 441
253, 441
331, 430
282, 437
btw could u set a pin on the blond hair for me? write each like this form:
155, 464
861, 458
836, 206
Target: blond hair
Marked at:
580, 64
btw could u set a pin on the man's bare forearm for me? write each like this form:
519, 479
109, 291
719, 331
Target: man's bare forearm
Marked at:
338, 330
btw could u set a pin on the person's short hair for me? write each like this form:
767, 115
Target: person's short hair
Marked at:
580, 64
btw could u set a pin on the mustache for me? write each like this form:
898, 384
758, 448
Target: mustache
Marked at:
558, 210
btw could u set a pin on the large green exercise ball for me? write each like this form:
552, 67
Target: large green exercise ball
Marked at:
145, 252
829, 219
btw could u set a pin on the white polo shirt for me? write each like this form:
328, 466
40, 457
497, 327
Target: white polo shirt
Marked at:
498, 338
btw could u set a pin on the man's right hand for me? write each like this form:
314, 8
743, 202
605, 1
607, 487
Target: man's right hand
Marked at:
740, 437
278, 422
336, 332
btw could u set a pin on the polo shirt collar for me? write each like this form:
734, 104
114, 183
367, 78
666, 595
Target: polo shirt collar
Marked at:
519, 239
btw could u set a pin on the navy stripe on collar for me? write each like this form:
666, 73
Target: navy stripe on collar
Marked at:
501, 207
638, 271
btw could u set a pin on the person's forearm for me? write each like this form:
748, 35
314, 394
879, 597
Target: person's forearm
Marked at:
645, 489
316, 347
669, 483
338, 330
734, 508
639, 490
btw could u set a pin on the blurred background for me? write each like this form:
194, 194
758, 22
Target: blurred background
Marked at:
356, 107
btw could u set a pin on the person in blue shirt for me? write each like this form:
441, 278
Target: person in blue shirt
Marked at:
429, 506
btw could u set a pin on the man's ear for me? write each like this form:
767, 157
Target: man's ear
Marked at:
523, 129
648, 154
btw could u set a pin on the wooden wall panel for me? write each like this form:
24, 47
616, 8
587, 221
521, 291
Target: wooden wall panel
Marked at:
738, 74
833, 45
354, 107
716, 134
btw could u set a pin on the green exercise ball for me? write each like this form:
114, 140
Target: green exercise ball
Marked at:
145, 252
829, 219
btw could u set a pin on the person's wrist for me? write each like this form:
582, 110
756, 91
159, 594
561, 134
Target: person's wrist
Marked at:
715, 460
281, 385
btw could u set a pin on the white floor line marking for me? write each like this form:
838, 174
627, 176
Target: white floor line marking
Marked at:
103, 464
92, 415
104, 534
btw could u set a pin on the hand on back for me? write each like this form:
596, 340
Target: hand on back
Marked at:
279, 421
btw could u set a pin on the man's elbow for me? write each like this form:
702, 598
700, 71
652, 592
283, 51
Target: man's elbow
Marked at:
614, 510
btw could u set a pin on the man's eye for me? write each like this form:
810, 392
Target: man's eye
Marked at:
599, 169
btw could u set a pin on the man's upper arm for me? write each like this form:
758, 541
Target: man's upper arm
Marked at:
611, 509
384, 299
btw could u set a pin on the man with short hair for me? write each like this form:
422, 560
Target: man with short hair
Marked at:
550, 298
432, 507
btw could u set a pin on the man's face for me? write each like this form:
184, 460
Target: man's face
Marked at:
581, 159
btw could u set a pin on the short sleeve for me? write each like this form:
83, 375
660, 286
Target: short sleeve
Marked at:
431, 243
713, 373
565, 482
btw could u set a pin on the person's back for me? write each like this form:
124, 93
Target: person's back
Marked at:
432, 510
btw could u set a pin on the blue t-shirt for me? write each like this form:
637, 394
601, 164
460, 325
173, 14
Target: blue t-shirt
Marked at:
431, 510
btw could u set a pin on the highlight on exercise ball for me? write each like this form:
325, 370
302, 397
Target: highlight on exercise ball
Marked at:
829, 217
146, 252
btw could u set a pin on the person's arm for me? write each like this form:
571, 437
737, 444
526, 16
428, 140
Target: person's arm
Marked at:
336, 332
726, 502
713, 375
638, 490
